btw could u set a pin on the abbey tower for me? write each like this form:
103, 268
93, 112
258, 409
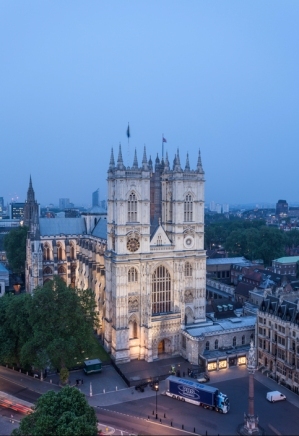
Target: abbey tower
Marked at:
155, 261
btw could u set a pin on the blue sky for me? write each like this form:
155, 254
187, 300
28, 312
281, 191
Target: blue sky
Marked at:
221, 76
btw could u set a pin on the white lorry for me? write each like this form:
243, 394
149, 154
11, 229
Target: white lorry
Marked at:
275, 396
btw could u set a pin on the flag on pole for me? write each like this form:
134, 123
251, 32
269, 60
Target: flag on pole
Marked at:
164, 140
128, 131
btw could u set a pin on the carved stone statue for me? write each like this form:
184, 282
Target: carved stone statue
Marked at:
251, 364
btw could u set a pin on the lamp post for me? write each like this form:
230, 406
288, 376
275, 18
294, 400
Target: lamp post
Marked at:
156, 387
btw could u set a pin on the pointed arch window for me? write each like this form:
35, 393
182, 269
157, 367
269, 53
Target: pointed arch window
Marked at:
234, 341
132, 208
207, 345
216, 344
59, 251
72, 251
161, 291
188, 208
48, 270
243, 340
188, 269
61, 270
47, 252
132, 275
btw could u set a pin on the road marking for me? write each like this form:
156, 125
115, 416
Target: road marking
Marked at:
274, 430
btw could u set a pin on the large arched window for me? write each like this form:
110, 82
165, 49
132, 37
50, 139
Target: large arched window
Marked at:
188, 208
161, 291
243, 340
234, 341
132, 275
48, 270
132, 208
47, 252
216, 344
188, 269
207, 345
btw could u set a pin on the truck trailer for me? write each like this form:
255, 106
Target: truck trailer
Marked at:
197, 393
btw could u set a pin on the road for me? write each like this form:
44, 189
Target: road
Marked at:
123, 424
132, 415
276, 419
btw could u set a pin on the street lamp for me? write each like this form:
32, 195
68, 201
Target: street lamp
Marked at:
156, 387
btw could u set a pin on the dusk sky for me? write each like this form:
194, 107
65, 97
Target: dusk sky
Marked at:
222, 76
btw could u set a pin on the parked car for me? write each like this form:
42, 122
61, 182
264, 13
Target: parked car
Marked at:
274, 396
141, 387
203, 378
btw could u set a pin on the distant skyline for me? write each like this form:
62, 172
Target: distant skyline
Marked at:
219, 76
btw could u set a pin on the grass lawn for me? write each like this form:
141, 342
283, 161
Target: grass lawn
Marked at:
98, 352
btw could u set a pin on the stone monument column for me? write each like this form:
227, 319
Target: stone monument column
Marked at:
251, 422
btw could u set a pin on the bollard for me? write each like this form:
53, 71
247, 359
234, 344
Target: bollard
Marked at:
13, 368
160, 421
116, 388
182, 426
153, 412
104, 391
148, 417
50, 380
170, 423
20, 370
194, 430
27, 373
164, 415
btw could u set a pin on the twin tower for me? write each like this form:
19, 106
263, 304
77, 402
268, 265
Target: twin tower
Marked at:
155, 260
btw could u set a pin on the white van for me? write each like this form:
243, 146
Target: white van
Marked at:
275, 396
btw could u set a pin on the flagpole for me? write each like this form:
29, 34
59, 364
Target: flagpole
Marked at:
162, 146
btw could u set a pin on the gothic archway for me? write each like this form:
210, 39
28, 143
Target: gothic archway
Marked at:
164, 347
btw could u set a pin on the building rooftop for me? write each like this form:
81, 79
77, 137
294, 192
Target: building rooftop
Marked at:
62, 226
228, 260
222, 326
287, 259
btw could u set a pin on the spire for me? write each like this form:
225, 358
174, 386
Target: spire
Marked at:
144, 160
178, 158
135, 163
187, 167
30, 192
112, 162
166, 167
176, 162
150, 163
120, 163
199, 164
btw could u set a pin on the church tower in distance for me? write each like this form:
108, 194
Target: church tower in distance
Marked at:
31, 209
155, 259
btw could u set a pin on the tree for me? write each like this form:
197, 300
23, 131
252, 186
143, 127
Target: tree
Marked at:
15, 247
62, 319
15, 328
65, 413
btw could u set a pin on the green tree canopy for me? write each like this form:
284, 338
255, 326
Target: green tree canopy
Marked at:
52, 326
15, 247
65, 413
15, 329
62, 319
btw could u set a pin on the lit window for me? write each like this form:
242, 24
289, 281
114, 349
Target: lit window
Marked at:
161, 291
